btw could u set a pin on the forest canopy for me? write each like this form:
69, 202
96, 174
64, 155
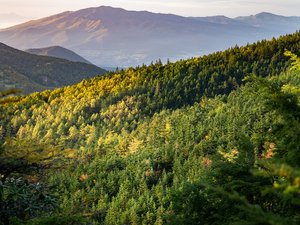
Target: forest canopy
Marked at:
209, 140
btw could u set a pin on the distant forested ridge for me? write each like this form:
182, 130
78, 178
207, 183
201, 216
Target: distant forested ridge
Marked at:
209, 140
58, 52
30, 73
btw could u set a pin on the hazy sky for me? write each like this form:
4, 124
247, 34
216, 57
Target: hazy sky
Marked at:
39, 8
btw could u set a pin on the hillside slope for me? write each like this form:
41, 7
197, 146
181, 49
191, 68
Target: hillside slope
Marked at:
58, 52
31, 73
191, 142
119, 100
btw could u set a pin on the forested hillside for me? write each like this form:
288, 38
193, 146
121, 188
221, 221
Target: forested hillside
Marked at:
31, 73
210, 140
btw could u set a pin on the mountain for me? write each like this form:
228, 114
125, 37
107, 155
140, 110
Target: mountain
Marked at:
209, 140
218, 19
31, 73
116, 37
272, 22
58, 52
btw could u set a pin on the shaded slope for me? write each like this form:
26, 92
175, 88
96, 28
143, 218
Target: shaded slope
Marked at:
58, 52
40, 72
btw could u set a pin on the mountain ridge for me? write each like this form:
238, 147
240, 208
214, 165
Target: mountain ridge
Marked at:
31, 73
117, 37
58, 52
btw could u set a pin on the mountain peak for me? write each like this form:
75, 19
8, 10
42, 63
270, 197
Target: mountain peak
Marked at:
266, 15
58, 52
101, 10
105, 7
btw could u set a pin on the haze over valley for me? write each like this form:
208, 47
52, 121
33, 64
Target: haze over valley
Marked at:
112, 37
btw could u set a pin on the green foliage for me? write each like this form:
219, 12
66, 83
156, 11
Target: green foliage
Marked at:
21, 199
194, 142
295, 60
31, 73
58, 220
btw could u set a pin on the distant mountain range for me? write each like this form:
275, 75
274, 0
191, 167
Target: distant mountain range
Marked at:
30, 73
58, 52
272, 22
115, 37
